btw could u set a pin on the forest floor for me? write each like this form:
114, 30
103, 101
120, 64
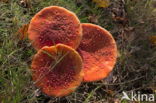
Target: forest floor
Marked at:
131, 22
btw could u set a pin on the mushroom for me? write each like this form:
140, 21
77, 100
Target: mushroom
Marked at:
99, 52
57, 70
53, 25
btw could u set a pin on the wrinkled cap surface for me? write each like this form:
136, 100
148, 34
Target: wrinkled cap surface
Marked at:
99, 52
53, 25
57, 70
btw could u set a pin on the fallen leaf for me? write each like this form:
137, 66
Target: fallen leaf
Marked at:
102, 3
5, 1
153, 39
23, 31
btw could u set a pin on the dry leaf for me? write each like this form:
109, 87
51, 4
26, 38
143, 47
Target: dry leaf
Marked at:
102, 3
23, 31
5, 1
153, 39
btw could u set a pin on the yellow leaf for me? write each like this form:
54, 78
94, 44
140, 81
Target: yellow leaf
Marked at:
102, 3
153, 39
23, 31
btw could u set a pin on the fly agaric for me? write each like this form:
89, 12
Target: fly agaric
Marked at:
57, 70
53, 25
99, 52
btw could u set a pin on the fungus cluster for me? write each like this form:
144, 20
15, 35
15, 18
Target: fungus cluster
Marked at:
68, 52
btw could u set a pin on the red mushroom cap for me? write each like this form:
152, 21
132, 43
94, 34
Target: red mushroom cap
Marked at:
53, 25
99, 52
57, 70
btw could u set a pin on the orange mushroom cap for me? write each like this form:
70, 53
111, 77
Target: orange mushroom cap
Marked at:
57, 70
99, 52
53, 25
